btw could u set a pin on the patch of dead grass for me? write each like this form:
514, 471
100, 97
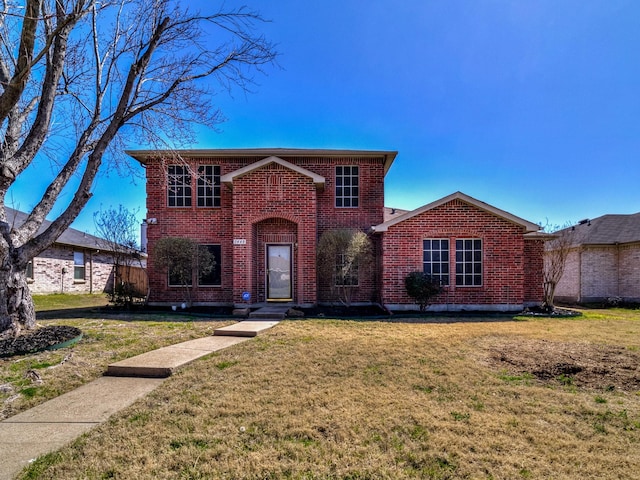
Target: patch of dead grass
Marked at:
332, 399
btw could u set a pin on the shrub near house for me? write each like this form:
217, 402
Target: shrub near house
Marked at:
261, 212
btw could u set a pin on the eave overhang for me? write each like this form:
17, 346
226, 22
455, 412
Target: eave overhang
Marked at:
143, 156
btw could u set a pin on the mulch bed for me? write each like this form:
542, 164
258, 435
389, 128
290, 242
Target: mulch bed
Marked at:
43, 338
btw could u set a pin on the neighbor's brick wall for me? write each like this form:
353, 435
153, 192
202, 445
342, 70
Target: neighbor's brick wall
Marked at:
599, 270
49, 277
503, 255
568, 288
255, 201
595, 273
630, 272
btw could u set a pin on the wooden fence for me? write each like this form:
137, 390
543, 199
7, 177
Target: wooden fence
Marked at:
136, 277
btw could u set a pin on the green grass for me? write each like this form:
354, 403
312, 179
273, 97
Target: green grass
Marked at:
63, 301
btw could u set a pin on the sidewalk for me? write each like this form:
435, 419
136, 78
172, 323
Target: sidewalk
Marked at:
53, 424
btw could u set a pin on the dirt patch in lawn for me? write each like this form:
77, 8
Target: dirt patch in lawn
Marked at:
604, 367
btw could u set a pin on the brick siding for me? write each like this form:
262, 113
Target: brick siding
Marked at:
53, 272
272, 204
503, 258
595, 273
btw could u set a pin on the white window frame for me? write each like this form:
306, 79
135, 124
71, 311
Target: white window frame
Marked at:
347, 186
469, 264
208, 186
179, 190
436, 261
79, 266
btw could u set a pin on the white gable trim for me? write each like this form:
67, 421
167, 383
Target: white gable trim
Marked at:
230, 177
529, 226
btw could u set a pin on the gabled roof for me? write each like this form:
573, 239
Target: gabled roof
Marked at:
387, 156
70, 237
529, 226
230, 177
607, 230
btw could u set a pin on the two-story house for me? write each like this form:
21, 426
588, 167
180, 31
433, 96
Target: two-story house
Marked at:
260, 211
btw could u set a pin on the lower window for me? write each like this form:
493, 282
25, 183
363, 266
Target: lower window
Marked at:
210, 266
435, 259
346, 272
469, 262
78, 266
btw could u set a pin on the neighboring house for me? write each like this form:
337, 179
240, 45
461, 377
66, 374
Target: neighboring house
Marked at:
603, 260
76, 263
261, 213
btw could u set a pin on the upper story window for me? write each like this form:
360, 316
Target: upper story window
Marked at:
469, 262
78, 266
347, 186
209, 186
435, 259
179, 190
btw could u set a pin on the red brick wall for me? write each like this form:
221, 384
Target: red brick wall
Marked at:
533, 271
271, 192
502, 247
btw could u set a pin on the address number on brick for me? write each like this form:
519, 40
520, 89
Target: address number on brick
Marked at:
239, 241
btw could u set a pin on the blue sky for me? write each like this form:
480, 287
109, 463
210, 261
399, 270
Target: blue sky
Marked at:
532, 106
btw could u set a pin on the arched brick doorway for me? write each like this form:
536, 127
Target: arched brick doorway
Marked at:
276, 259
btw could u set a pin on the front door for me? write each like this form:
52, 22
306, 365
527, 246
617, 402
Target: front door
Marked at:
279, 273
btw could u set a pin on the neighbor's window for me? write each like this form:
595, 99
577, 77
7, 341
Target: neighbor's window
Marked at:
214, 277
347, 183
469, 262
346, 274
209, 186
179, 186
435, 259
30, 270
78, 266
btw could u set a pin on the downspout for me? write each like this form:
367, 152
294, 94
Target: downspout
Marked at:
617, 269
90, 272
580, 275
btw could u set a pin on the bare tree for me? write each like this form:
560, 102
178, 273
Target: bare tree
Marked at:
81, 78
555, 258
343, 254
117, 230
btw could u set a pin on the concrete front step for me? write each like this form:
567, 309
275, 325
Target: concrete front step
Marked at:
270, 312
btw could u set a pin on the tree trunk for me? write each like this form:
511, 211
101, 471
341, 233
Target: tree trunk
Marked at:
16, 305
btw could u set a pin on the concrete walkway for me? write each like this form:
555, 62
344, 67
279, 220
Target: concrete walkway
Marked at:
53, 424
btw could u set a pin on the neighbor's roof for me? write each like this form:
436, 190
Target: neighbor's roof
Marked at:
607, 230
70, 237
529, 226
387, 155
391, 213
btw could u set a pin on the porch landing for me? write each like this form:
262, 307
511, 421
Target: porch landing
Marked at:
270, 312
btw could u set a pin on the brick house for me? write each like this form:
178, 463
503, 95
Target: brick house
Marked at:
603, 260
262, 211
76, 263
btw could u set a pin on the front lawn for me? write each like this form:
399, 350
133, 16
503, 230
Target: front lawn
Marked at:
522, 398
